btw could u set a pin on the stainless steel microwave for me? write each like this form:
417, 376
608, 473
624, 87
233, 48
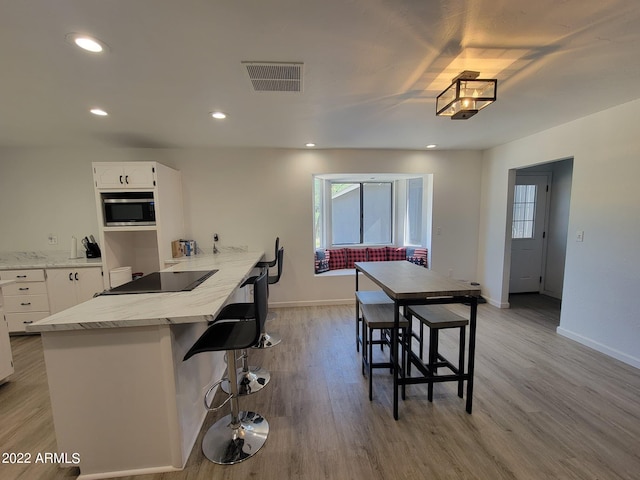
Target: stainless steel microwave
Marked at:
128, 209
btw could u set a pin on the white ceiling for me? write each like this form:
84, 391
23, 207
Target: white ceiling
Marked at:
372, 70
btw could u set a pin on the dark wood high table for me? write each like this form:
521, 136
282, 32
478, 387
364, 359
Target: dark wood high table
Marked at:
409, 284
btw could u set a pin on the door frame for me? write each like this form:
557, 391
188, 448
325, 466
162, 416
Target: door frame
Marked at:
545, 225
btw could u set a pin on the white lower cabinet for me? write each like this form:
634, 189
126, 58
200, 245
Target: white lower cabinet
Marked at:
70, 286
26, 300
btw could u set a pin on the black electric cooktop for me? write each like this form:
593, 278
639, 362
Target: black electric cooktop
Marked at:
158, 282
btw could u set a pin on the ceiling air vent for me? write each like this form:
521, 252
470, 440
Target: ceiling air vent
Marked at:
275, 76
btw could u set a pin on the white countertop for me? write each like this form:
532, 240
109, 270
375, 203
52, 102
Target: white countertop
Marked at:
199, 305
44, 259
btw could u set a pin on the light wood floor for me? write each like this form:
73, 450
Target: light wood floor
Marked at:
544, 408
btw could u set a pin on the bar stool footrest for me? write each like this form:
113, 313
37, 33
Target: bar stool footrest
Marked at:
267, 341
248, 382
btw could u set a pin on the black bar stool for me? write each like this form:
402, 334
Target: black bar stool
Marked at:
269, 340
437, 318
241, 434
271, 263
252, 378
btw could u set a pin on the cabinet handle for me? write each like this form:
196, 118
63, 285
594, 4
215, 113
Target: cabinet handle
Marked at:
23, 288
25, 304
21, 276
71, 277
76, 276
126, 179
121, 182
28, 321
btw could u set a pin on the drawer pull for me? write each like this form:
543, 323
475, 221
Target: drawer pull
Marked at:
28, 321
21, 276
23, 288
24, 304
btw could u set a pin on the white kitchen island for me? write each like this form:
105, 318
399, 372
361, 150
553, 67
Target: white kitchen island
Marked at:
122, 398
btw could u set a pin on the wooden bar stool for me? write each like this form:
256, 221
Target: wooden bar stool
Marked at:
368, 297
379, 316
375, 297
436, 318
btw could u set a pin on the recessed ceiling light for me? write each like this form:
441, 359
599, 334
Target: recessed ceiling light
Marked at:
218, 115
90, 44
99, 112
310, 145
433, 145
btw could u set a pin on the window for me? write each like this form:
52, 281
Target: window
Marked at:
413, 233
369, 209
524, 210
361, 213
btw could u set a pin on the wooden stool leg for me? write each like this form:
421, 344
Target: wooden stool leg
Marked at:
461, 361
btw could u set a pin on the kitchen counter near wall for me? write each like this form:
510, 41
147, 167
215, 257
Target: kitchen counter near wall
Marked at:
44, 259
46, 282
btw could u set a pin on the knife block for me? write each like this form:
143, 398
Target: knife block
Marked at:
93, 250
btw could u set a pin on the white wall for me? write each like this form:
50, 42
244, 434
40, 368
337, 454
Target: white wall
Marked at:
247, 196
558, 223
601, 273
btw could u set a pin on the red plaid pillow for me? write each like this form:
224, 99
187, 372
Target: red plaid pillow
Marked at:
355, 255
377, 254
337, 259
396, 253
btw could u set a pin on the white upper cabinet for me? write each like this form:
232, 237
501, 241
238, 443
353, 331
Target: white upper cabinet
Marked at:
144, 248
124, 175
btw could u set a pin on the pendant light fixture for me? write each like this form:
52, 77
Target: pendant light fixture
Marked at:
466, 96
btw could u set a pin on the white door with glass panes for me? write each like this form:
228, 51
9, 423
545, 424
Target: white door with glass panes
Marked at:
528, 232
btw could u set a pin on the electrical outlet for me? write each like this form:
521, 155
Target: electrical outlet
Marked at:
580, 236
53, 239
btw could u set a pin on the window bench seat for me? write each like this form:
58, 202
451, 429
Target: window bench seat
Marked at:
340, 261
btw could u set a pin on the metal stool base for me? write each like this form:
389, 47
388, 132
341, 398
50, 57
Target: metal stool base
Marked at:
226, 445
248, 382
267, 341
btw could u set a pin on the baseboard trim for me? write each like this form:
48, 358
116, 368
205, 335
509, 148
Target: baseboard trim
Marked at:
128, 473
497, 304
611, 352
313, 303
